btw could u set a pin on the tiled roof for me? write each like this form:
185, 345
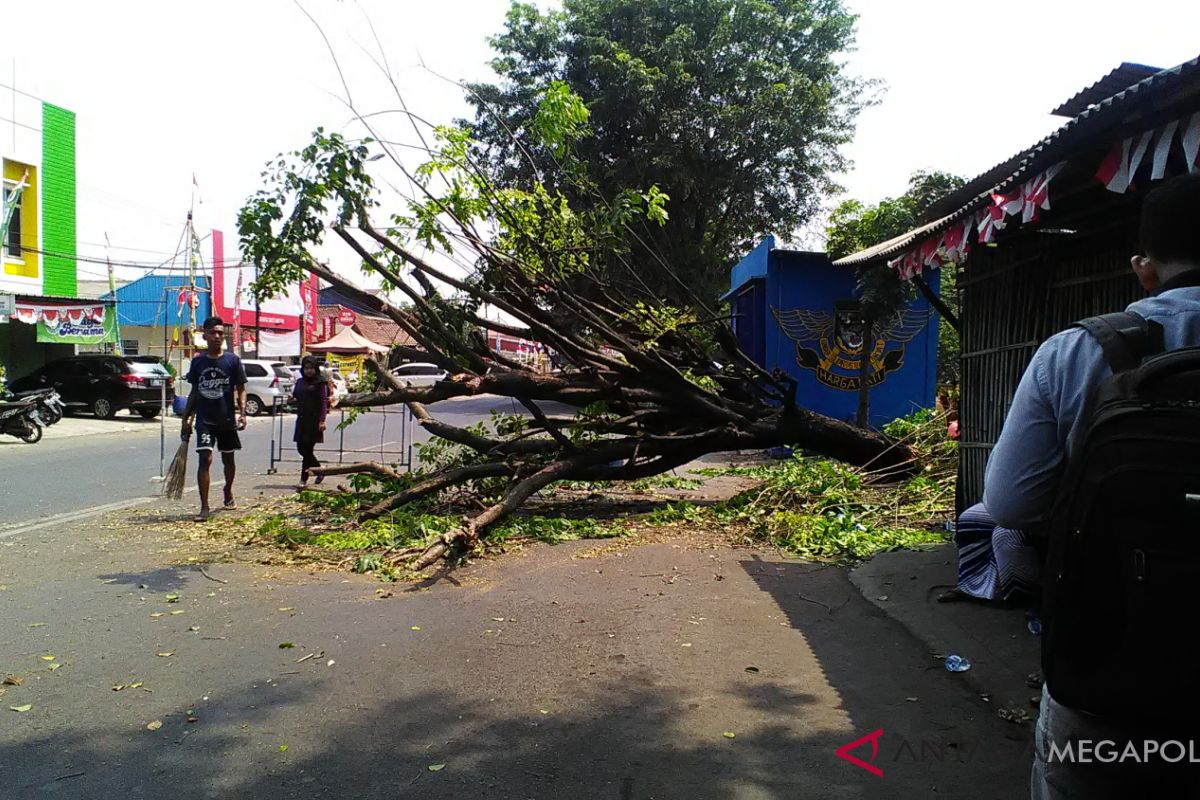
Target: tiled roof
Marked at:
380, 330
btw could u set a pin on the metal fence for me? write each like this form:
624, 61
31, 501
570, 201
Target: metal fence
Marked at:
395, 438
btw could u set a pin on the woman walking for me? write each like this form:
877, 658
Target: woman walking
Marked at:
311, 394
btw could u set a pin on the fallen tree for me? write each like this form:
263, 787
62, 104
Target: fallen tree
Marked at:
649, 387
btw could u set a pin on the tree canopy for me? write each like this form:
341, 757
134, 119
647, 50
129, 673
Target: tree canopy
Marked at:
643, 386
734, 109
855, 225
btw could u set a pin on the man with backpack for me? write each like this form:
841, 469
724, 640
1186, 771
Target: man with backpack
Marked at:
1100, 458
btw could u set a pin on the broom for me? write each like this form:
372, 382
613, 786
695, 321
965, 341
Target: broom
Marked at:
177, 472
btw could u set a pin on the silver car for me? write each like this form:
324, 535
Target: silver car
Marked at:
420, 374
266, 381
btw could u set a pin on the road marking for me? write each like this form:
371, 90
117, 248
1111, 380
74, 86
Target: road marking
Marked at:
76, 516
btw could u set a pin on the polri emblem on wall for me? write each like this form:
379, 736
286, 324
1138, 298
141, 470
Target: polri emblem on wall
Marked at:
838, 338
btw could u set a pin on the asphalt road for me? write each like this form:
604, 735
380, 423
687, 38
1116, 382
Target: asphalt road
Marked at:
60, 477
585, 670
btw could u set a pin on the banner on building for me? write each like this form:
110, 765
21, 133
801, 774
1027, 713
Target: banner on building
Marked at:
77, 328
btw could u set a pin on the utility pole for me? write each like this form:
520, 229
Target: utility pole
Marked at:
192, 257
257, 323
112, 289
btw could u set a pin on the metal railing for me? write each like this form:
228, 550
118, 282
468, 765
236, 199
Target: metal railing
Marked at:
392, 421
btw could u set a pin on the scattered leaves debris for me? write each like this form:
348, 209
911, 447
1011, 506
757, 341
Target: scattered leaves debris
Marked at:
167, 654
172, 598
156, 615
21, 709
283, 748
153, 726
416, 627
436, 767
47, 658
1015, 715
755, 670
729, 734
37, 624
286, 645
288, 608
13, 680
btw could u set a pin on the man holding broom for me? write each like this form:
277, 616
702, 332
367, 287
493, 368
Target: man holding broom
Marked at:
218, 382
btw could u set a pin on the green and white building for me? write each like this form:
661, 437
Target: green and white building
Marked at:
43, 317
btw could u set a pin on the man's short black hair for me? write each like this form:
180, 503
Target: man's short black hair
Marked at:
213, 322
1170, 219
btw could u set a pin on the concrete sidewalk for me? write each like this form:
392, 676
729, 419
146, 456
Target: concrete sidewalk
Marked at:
997, 641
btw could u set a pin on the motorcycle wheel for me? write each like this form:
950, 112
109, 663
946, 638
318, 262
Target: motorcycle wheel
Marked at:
33, 435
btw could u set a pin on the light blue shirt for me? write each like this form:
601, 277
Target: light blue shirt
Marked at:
1026, 464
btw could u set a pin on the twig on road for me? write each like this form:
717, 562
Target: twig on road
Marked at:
828, 610
210, 577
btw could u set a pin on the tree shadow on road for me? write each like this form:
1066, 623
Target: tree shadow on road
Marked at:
250, 745
883, 686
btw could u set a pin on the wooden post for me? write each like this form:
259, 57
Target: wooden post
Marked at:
862, 418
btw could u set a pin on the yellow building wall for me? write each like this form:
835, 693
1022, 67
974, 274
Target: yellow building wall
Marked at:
14, 171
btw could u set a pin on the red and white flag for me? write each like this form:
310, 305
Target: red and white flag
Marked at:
1191, 142
990, 220
956, 241
1121, 164
1162, 151
1035, 194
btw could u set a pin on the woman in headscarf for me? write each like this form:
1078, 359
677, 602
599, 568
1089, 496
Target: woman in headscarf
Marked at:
311, 395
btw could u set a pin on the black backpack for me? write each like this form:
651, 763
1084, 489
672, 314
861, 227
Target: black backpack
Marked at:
1122, 578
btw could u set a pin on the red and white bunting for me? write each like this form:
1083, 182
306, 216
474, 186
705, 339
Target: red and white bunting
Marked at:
1035, 194
952, 245
989, 220
1191, 142
1120, 166
53, 315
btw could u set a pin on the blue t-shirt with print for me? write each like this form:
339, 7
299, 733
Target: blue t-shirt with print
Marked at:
213, 380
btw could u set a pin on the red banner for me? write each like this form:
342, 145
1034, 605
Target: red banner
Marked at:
308, 295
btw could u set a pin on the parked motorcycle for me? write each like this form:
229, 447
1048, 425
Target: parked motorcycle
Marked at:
20, 418
49, 404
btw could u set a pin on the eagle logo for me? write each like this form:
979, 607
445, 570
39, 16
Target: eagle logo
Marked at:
837, 359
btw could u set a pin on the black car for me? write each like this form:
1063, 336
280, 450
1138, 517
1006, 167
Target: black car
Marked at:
104, 384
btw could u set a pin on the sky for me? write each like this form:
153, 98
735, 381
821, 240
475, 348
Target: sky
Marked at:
164, 91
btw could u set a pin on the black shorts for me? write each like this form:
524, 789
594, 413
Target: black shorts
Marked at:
224, 439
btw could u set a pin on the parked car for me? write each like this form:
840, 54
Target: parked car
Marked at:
339, 385
266, 381
104, 384
419, 373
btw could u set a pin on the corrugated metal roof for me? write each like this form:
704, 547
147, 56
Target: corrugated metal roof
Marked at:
1120, 78
1049, 151
980, 183
151, 300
